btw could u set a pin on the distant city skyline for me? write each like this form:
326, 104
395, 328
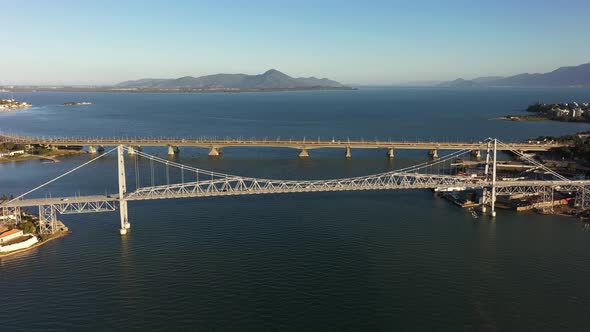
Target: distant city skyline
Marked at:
370, 42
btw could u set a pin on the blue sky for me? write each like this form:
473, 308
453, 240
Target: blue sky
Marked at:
380, 42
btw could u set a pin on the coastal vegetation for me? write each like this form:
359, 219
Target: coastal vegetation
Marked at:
20, 152
578, 146
30, 232
4, 198
269, 80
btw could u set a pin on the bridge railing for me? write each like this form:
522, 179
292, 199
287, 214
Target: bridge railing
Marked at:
256, 141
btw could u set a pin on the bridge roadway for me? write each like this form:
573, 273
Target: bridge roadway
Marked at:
215, 144
215, 188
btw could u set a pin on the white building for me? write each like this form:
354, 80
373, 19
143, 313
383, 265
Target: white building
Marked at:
20, 245
8, 217
10, 235
11, 153
577, 112
560, 112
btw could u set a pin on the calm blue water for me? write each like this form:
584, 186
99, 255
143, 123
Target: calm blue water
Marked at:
410, 113
340, 261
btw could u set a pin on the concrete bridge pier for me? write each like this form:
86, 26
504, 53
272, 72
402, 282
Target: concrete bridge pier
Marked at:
214, 152
433, 153
390, 153
348, 154
91, 149
476, 154
131, 150
100, 148
125, 225
170, 150
304, 153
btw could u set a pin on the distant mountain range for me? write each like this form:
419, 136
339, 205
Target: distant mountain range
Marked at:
272, 79
562, 77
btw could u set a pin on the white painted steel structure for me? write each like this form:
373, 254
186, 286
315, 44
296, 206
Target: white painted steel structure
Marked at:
210, 184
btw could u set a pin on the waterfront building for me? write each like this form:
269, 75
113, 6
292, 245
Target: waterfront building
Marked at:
10, 235
11, 153
577, 112
31, 240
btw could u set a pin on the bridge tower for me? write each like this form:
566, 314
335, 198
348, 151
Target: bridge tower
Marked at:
489, 194
583, 199
10, 215
47, 219
125, 225
493, 202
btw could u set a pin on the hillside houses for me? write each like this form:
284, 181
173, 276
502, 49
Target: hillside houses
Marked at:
562, 111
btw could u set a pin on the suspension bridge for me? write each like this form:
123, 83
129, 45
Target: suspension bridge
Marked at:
158, 178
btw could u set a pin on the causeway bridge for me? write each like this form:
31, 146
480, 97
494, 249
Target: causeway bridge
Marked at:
156, 178
214, 145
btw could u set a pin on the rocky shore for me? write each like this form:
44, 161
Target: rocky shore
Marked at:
7, 105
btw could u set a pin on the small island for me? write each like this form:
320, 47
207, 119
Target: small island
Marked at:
7, 105
564, 112
77, 103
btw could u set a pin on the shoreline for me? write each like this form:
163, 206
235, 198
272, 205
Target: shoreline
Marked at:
524, 118
36, 245
149, 90
10, 110
532, 118
50, 157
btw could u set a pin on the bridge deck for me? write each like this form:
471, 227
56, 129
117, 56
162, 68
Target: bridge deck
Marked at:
31, 202
295, 144
60, 200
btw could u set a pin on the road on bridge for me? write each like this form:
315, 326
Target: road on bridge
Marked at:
215, 143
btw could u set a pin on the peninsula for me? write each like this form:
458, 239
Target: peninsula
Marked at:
21, 231
564, 112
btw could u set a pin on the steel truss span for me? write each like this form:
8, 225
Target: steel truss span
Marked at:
250, 186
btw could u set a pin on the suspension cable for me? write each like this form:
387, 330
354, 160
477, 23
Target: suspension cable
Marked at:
61, 176
534, 162
363, 178
152, 172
